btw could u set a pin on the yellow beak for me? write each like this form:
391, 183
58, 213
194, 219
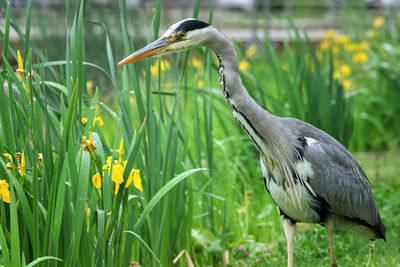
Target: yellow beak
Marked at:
153, 49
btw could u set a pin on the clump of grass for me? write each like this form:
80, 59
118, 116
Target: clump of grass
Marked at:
64, 202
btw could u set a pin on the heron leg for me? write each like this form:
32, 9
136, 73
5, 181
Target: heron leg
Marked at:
289, 226
329, 229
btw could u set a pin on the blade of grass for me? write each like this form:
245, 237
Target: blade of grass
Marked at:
5, 254
157, 197
14, 232
79, 212
27, 30
6, 33
145, 245
45, 258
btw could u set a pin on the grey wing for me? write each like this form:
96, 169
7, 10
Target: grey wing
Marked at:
340, 181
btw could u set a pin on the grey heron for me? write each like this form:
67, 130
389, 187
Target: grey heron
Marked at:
310, 176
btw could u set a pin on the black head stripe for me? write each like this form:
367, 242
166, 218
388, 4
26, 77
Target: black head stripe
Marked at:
190, 25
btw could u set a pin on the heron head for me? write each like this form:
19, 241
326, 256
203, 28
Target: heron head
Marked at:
182, 35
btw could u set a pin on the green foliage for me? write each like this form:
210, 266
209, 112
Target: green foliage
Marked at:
202, 188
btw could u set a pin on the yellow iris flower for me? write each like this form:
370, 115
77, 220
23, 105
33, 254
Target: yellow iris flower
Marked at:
99, 121
20, 69
360, 57
22, 170
200, 84
84, 120
345, 70
378, 22
250, 52
4, 191
137, 181
196, 63
117, 176
244, 65
117, 172
8, 156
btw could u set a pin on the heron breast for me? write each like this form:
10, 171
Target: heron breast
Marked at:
295, 199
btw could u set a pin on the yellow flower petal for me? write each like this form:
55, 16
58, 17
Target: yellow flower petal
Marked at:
6, 196
329, 34
343, 39
84, 120
96, 180
324, 45
378, 22
251, 51
20, 69
360, 57
107, 166
89, 85
196, 62
23, 172
165, 65
345, 70
3, 185
130, 179
347, 85
8, 156
116, 189
137, 181
154, 69
117, 174
200, 84
4, 191
98, 120
244, 65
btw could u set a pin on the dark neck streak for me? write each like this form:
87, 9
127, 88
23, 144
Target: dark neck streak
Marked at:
222, 80
227, 93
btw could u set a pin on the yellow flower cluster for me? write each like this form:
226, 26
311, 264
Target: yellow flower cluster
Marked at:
360, 57
342, 74
97, 120
165, 65
343, 43
20, 159
88, 145
18, 162
117, 169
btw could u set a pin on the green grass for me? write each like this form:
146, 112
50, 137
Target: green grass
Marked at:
202, 185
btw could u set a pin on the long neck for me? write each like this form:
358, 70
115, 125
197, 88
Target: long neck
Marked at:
231, 85
229, 79
256, 121
264, 129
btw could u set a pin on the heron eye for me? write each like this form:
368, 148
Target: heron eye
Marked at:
182, 34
